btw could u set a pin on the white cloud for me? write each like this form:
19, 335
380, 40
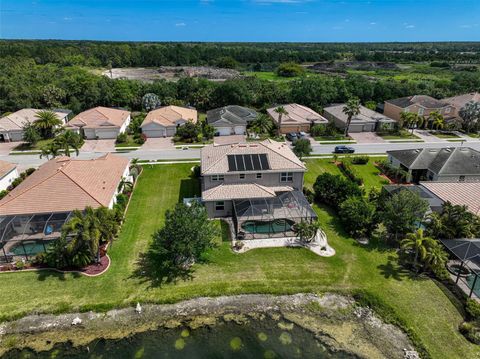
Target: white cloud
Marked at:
180, 24
66, 18
409, 26
373, 23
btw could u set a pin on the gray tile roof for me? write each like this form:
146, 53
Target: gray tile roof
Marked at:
444, 161
365, 116
422, 100
231, 115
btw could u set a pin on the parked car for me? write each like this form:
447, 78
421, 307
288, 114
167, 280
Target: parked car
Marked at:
344, 149
301, 135
292, 136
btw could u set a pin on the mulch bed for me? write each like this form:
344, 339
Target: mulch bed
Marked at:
97, 268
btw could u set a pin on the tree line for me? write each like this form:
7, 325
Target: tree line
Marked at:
126, 54
25, 84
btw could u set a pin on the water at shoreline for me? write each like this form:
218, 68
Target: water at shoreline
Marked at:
255, 339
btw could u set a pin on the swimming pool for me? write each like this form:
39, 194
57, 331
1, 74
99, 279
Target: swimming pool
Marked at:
30, 247
276, 226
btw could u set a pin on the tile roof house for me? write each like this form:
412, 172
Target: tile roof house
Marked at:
163, 122
366, 121
35, 211
254, 184
461, 194
420, 104
11, 126
231, 120
450, 164
8, 173
100, 123
298, 118
458, 102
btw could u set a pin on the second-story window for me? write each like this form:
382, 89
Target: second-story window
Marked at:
259, 175
242, 175
217, 178
286, 177
420, 111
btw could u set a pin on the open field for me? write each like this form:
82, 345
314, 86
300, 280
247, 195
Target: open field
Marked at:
420, 303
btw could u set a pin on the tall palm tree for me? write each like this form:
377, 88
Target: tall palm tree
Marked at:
50, 150
436, 120
419, 244
68, 140
280, 110
351, 109
46, 122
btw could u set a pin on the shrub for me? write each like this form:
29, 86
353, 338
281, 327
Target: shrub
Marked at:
470, 331
318, 130
29, 171
334, 189
139, 138
473, 309
349, 171
290, 69
302, 147
395, 173
196, 171
3, 193
357, 215
19, 265
360, 160
309, 194
122, 138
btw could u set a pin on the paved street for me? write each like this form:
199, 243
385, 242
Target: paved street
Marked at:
178, 154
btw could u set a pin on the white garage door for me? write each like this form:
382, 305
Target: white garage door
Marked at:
106, 134
154, 133
171, 132
239, 130
224, 131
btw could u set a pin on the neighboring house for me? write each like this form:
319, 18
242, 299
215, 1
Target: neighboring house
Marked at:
461, 194
11, 126
231, 120
258, 186
458, 102
419, 104
434, 202
33, 213
366, 121
163, 122
458, 164
298, 118
8, 173
100, 123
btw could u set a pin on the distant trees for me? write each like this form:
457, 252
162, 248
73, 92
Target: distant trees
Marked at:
290, 69
150, 101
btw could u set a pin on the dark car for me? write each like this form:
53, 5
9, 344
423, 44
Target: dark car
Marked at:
292, 136
344, 149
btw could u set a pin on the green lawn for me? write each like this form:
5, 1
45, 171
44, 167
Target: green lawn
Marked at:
403, 135
333, 138
25, 147
447, 135
130, 143
420, 303
268, 75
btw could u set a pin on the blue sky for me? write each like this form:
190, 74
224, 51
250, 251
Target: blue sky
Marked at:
242, 20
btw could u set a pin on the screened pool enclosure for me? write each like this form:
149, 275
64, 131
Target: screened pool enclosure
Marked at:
24, 236
258, 218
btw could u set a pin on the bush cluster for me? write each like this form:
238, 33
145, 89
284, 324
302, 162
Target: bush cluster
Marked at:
396, 173
350, 171
360, 160
334, 189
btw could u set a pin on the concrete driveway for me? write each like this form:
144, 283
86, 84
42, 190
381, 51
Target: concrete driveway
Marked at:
228, 140
158, 144
366, 137
6, 147
99, 146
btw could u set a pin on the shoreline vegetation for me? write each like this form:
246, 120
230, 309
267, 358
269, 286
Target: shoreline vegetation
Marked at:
339, 321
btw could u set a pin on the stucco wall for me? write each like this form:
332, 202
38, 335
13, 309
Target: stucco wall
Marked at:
7, 180
268, 180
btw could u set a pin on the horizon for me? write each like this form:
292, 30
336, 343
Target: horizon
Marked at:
243, 21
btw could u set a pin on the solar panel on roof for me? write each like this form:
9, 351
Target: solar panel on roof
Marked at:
240, 162
256, 162
264, 161
248, 162
231, 163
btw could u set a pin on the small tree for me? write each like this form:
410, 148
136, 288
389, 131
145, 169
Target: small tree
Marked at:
334, 189
187, 234
69, 140
306, 231
402, 212
262, 124
150, 101
436, 120
470, 115
50, 150
302, 147
418, 244
357, 215
351, 109
31, 134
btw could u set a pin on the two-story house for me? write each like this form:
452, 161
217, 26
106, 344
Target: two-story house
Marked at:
419, 104
458, 102
257, 185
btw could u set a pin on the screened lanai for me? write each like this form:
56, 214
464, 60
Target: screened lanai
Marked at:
466, 267
24, 236
258, 218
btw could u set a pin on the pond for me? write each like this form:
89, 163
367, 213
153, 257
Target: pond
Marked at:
257, 339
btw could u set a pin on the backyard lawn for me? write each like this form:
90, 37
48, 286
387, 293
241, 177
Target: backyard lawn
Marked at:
420, 303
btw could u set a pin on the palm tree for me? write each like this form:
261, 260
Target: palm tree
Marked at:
262, 124
436, 120
50, 150
351, 109
46, 122
419, 244
68, 140
280, 110
436, 256
125, 185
